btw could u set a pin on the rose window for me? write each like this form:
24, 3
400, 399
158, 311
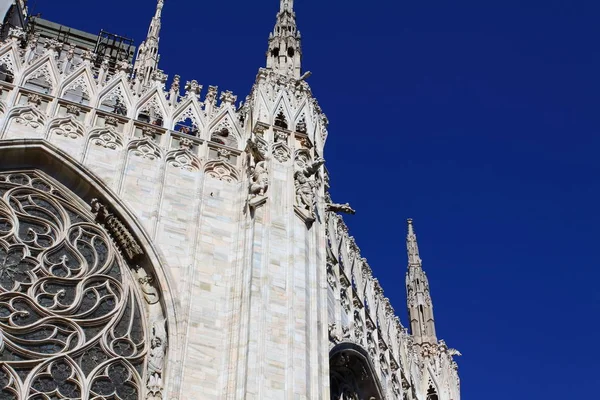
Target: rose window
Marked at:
71, 323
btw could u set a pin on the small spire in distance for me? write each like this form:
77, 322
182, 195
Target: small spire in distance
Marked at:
285, 54
411, 246
146, 62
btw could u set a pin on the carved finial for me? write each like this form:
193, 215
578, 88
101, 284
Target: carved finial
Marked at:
192, 88
227, 97
175, 84
411, 245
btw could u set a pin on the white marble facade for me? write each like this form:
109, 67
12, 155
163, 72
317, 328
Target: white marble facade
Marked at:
251, 285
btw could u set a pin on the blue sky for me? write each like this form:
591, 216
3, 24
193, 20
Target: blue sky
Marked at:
479, 119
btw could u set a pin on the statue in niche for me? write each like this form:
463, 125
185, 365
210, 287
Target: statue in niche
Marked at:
259, 179
156, 360
304, 184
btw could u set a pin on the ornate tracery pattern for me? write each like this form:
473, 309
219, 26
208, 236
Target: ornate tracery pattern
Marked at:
71, 324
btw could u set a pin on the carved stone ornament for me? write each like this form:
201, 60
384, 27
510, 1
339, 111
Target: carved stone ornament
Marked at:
120, 234
110, 120
192, 89
73, 109
106, 138
34, 99
183, 158
331, 278
341, 208
146, 149
222, 171
334, 336
16, 33
68, 127
281, 152
30, 117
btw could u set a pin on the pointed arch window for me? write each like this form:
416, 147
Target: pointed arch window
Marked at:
281, 121
432, 393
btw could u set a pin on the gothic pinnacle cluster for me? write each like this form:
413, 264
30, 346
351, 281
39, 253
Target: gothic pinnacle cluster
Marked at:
420, 307
285, 54
146, 62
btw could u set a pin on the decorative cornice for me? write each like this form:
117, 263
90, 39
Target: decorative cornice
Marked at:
117, 230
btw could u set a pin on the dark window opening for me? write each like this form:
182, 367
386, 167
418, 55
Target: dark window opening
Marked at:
281, 121
431, 393
5, 74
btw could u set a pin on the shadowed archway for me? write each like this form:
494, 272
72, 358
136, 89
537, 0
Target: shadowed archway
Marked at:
352, 375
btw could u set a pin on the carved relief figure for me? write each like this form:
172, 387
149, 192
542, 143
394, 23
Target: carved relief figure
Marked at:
259, 180
150, 293
156, 360
305, 185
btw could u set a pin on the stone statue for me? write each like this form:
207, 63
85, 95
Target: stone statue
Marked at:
305, 186
156, 360
259, 179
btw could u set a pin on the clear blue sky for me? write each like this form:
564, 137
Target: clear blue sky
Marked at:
479, 119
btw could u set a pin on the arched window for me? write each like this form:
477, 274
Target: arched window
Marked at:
71, 315
281, 121
431, 393
351, 374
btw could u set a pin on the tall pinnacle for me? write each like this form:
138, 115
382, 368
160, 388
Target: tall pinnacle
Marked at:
420, 307
154, 30
146, 62
285, 54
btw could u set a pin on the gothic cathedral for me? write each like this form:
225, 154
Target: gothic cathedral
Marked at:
175, 244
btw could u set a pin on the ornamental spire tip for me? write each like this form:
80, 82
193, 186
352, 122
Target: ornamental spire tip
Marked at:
411, 245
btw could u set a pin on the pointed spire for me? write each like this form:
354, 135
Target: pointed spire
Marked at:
420, 307
154, 30
146, 62
412, 247
285, 54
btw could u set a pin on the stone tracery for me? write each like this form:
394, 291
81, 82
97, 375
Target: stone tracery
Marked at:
70, 319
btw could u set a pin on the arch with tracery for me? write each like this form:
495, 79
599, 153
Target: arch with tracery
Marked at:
78, 319
351, 374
